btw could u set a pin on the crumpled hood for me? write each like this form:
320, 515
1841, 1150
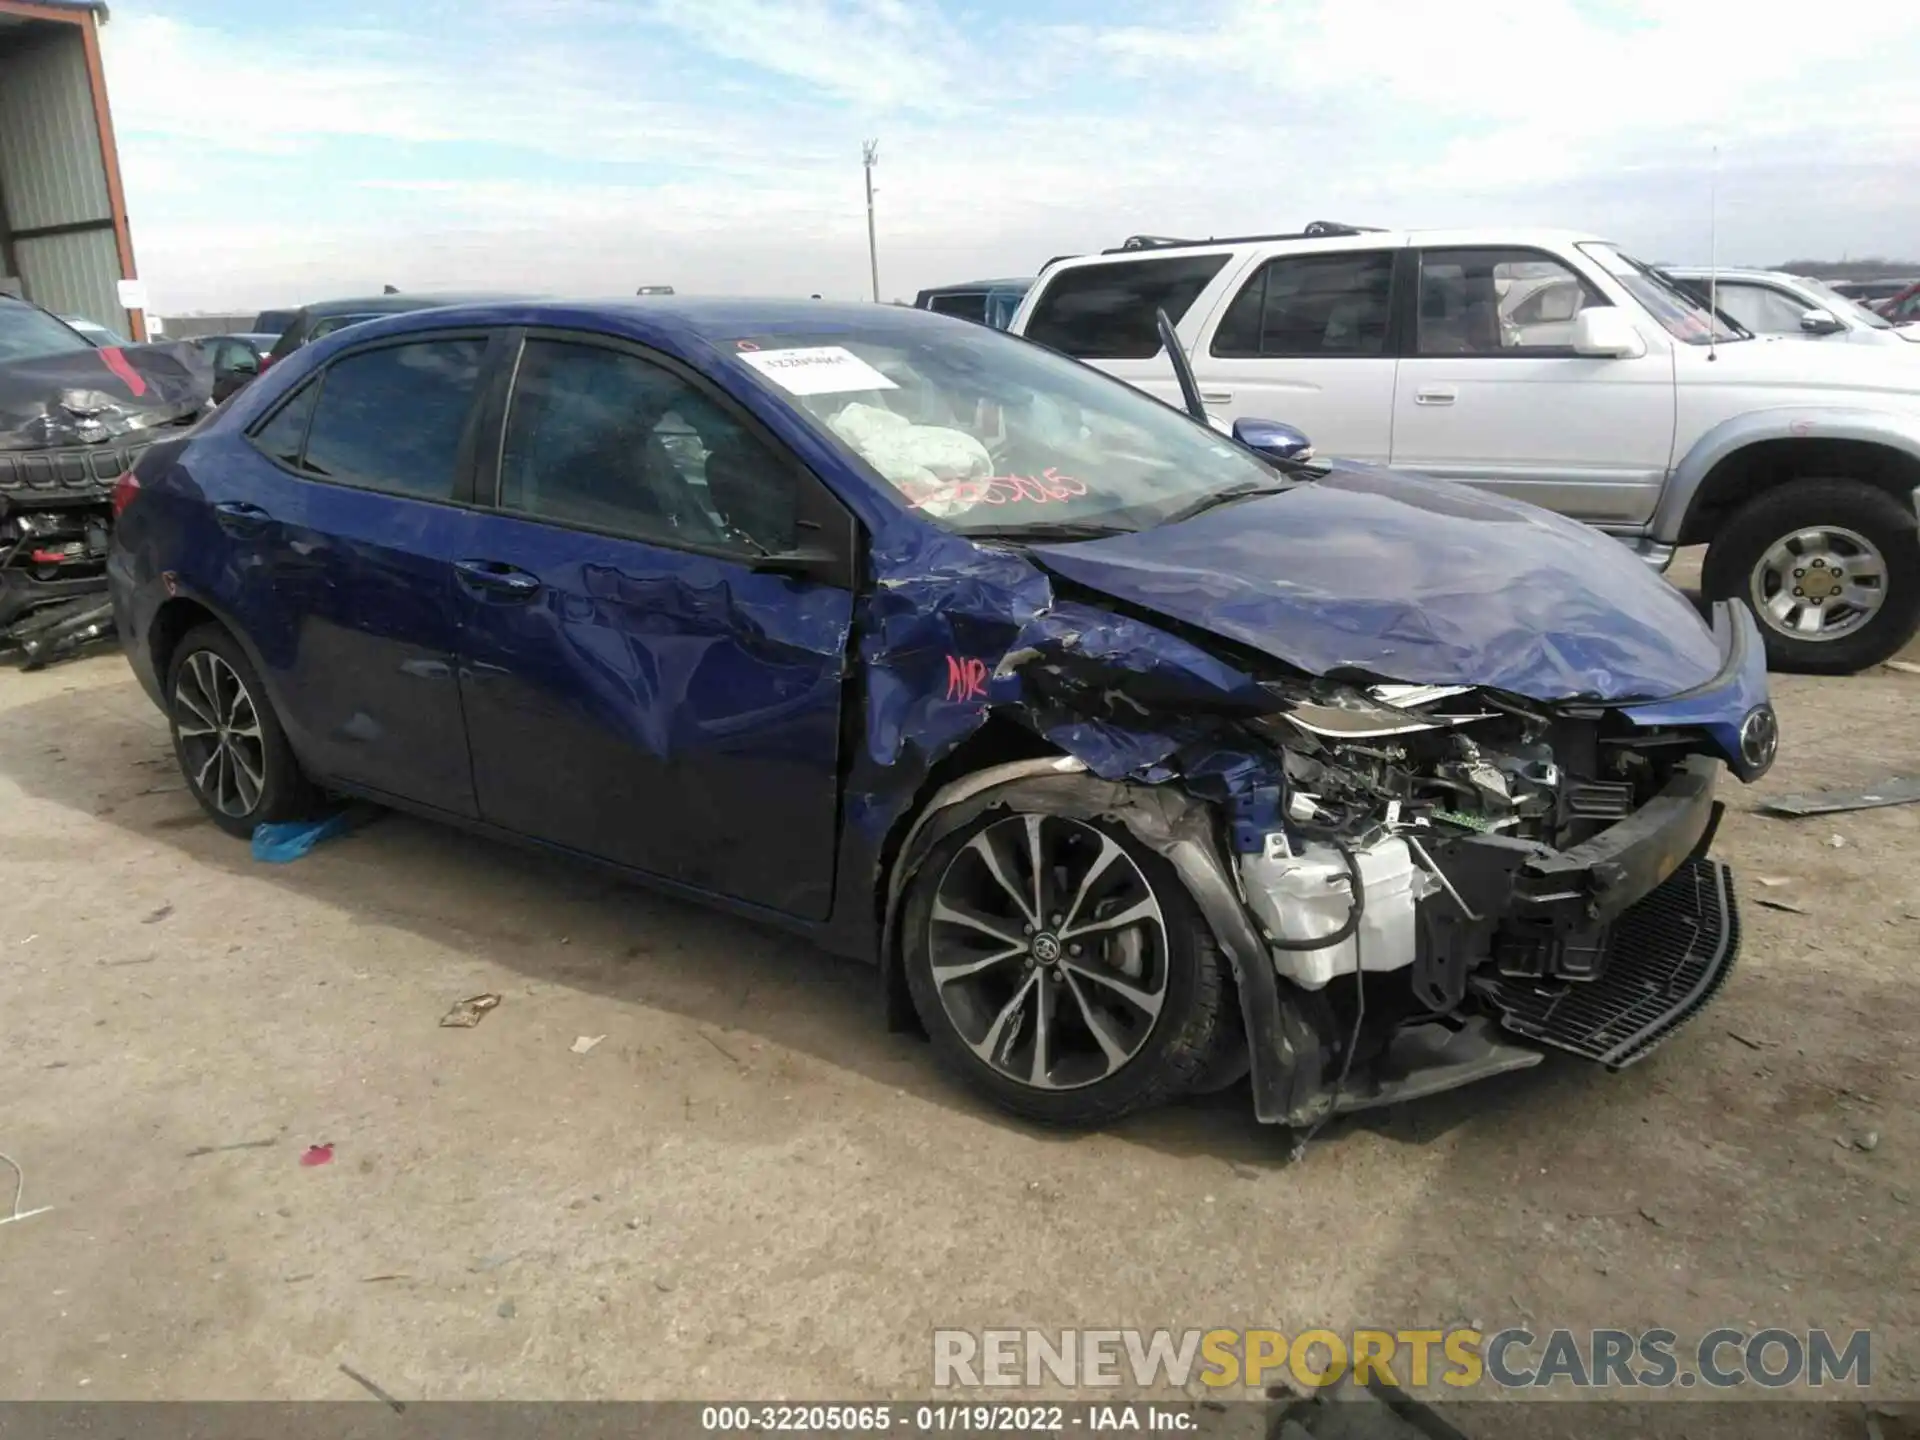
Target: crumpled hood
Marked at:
1403, 578
83, 397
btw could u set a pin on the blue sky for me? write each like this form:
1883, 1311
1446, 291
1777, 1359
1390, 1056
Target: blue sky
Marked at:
276, 151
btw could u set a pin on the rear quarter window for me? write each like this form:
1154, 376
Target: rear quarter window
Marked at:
1106, 312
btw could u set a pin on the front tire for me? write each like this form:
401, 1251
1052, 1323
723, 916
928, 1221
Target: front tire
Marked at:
227, 738
1061, 969
1830, 569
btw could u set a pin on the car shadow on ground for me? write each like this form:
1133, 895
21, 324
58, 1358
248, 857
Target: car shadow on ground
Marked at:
560, 921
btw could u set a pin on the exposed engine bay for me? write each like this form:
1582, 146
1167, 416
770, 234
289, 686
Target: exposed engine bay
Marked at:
1438, 830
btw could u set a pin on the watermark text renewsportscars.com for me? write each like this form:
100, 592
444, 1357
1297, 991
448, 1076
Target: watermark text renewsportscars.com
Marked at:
1515, 1358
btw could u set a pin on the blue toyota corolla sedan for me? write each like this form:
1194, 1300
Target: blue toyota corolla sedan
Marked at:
1139, 757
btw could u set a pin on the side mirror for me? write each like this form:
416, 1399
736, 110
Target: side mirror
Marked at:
1605, 332
1821, 322
1272, 439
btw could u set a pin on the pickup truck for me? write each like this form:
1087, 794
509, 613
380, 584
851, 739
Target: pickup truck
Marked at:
1552, 367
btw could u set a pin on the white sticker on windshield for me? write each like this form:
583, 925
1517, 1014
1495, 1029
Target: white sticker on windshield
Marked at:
817, 370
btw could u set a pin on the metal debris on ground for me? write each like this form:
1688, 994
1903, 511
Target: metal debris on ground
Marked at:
60, 630
317, 1155
397, 1406
280, 844
1785, 905
1897, 790
1750, 1043
1905, 667
470, 1011
1838, 842
1346, 1411
19, 1193
1770, 881
199, 1150
585, 1043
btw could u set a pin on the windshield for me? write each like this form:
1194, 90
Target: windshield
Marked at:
1844, 306
26, 333
1679, 314
983, 432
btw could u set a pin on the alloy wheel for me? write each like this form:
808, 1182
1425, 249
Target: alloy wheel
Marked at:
221, 748
1049, 951
1820, 584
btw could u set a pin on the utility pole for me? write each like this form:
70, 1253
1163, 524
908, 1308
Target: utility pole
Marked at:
870, 157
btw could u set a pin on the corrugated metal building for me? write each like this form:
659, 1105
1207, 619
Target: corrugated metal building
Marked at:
64, 239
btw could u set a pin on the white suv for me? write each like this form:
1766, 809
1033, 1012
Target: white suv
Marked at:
1551, 367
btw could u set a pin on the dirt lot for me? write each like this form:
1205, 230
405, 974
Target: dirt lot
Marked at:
750, 1187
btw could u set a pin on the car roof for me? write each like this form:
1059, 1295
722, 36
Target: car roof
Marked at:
1482, 237
393, 304
670, 322
961, 287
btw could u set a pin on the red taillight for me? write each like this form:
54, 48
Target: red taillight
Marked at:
124, 489
265, 361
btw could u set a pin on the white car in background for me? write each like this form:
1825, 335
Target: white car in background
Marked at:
1774, 303
1552, 368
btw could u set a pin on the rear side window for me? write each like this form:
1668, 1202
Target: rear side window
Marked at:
1312, 305
967, 307
1106, 312
392, 419
281, 436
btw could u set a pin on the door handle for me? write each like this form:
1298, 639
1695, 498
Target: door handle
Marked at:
1216, 397
1435, 395
499, 577
239, 517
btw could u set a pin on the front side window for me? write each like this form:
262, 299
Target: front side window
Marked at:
1679, 313
1759, 308
1498, 302
1106, 312
984, 433
392, 419
1310, 306
604, 439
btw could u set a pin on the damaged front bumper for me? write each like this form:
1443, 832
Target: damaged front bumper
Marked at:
1601, 950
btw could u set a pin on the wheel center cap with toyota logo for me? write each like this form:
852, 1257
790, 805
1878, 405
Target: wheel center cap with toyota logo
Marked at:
1045, 948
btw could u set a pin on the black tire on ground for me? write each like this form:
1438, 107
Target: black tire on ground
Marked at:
1881, 518
283, 792
1175, 1053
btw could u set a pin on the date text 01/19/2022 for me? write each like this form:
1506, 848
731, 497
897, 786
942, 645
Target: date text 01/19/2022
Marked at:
947, 1418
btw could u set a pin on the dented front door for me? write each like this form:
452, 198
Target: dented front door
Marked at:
673, 712
634, 687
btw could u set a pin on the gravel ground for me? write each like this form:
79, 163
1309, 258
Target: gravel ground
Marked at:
749, 1187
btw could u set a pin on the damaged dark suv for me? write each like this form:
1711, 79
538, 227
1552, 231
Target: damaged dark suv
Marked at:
1137, 758
73, 417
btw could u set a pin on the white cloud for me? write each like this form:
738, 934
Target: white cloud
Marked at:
586, 145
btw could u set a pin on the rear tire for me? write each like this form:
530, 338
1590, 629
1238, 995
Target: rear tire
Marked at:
1850, 548
227, 738
1129, 1008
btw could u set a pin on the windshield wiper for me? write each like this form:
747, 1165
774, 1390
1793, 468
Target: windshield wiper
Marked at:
1045, 530
1247, 490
